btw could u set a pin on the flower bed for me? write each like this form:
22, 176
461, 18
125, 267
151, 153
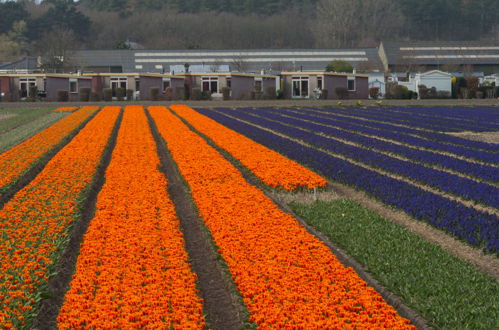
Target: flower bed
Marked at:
272, 168
35, 222
133, 270
287, 277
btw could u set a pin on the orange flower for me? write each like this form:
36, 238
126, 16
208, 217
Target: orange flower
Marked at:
16, 161
133, 270
271, 167
32, 222
65, 109
287, 277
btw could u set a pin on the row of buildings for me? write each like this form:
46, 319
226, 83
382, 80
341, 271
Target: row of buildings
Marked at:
296, 73
140, 86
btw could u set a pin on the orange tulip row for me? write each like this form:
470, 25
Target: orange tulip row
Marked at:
65, 109
271, 167
16, 161
133, 270
287, 277
35, 223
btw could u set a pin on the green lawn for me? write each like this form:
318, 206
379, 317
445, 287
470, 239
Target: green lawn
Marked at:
12, 118
446, 291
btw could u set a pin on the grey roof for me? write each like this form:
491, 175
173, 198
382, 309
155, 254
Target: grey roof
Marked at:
28, 63
252, 60
438, 53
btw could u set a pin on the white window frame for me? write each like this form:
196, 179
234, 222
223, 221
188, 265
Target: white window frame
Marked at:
354, 84
72, 80
118, 81
166, 80
300, 79
321, 78
28, 81
210, 80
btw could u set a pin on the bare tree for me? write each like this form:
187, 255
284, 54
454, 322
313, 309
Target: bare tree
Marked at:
240, 64
54, 48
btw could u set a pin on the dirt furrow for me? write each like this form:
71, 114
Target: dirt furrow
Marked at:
223, 307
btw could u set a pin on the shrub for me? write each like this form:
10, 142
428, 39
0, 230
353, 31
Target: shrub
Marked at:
179, 92
84, 94
395, 91
270, 92
374, 93
497, 91
154, 93
196, 94
62, 95
129, 94
339, 66
168, 94
107, 94
33, 93
341, 92
94, 97
206, 95
226, 93
187, 92
280, 94
324, 94
120, 93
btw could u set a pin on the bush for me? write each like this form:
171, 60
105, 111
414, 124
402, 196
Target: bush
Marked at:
179, 92
374, 93
339, 66
196, 94
154, 93
168, 94
497, 91
206, 95
94, 97
62, 95
226, 93
107, 94
33, 93
395, 91
120, 93
324, 94
187, 92
129, 94
341, 92
280, 94
84, 94
270, 93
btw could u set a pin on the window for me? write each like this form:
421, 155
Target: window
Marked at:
25, 84
137, 84
258, 85
351, 83
166, 83
319, 83
118, 82
300, 87
73, 85
229, 82
210, 84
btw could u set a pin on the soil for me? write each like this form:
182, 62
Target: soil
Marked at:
489, 137
59, 284
222, 307
263, 103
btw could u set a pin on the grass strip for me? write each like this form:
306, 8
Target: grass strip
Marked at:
20, 117
27, 130
446, 291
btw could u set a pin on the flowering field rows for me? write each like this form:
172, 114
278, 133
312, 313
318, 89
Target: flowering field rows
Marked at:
132, 270
407, 162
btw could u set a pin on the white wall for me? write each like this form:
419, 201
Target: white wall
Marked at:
443, 83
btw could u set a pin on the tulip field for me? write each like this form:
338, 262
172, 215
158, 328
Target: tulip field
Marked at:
97, 180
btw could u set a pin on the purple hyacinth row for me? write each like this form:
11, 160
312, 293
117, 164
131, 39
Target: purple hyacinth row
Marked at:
441, 138
440, 119
477, 191
401, 134
484, 172
476, 227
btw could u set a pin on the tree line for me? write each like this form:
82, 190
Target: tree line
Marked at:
47, 27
